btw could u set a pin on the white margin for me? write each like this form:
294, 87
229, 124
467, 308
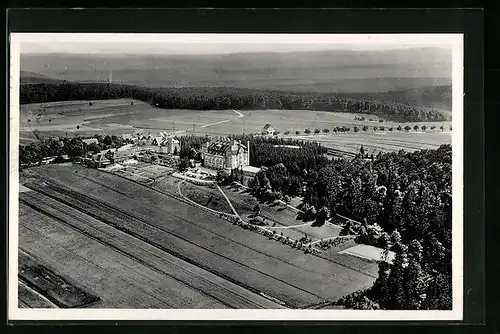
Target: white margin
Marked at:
15, 313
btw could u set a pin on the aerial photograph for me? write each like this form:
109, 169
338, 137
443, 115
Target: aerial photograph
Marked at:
234, 172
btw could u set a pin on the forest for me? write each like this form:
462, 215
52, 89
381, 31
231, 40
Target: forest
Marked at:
403, 203
222, 98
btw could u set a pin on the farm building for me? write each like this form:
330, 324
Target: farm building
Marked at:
268, 130
48, 160
225, 154
167, 145
122, 153
90, 141
97, 160
171, 146
249, 173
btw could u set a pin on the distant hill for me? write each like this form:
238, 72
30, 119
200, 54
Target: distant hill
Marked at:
337, 71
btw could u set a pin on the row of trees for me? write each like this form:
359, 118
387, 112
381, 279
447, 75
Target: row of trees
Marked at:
207, 98
365, 128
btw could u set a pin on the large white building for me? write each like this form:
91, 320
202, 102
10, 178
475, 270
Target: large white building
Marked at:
225, 154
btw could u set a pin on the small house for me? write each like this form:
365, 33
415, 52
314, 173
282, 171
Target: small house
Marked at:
268, 130
248, 174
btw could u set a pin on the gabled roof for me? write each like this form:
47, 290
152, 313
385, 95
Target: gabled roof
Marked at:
267, 126
159, 140
101, 157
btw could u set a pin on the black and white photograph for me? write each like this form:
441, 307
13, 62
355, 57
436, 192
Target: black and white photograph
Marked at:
236, 176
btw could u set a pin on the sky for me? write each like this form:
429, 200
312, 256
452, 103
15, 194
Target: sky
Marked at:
220, 43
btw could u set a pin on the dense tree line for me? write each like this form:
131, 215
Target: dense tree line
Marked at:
286, 166
403, 201
208, 98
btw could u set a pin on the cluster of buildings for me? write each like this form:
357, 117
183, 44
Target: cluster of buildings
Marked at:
220, 154
162, 143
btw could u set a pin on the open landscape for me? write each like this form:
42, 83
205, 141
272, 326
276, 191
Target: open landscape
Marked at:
116, 117
279, 176
115, 212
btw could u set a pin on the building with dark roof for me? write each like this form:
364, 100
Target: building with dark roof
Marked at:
225, 154
268, 130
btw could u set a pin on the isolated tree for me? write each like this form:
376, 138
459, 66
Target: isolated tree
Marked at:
297, 132
362, 151
396, 281
399, 128
375, 128
326, 130
433, 127
416, 127
407, 128
107, 140
381, 120
450, 127
307, 131
442, 127
424, 127
316, 131
287, 199
356, 129
90, 103
382, 128
365, 128
183, 164
390, 129
286, 133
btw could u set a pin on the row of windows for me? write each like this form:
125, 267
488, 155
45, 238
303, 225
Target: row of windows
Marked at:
211, 161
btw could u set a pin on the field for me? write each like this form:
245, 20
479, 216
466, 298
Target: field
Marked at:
208, 197
92, 227
113, 117
120, 116
141, 172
